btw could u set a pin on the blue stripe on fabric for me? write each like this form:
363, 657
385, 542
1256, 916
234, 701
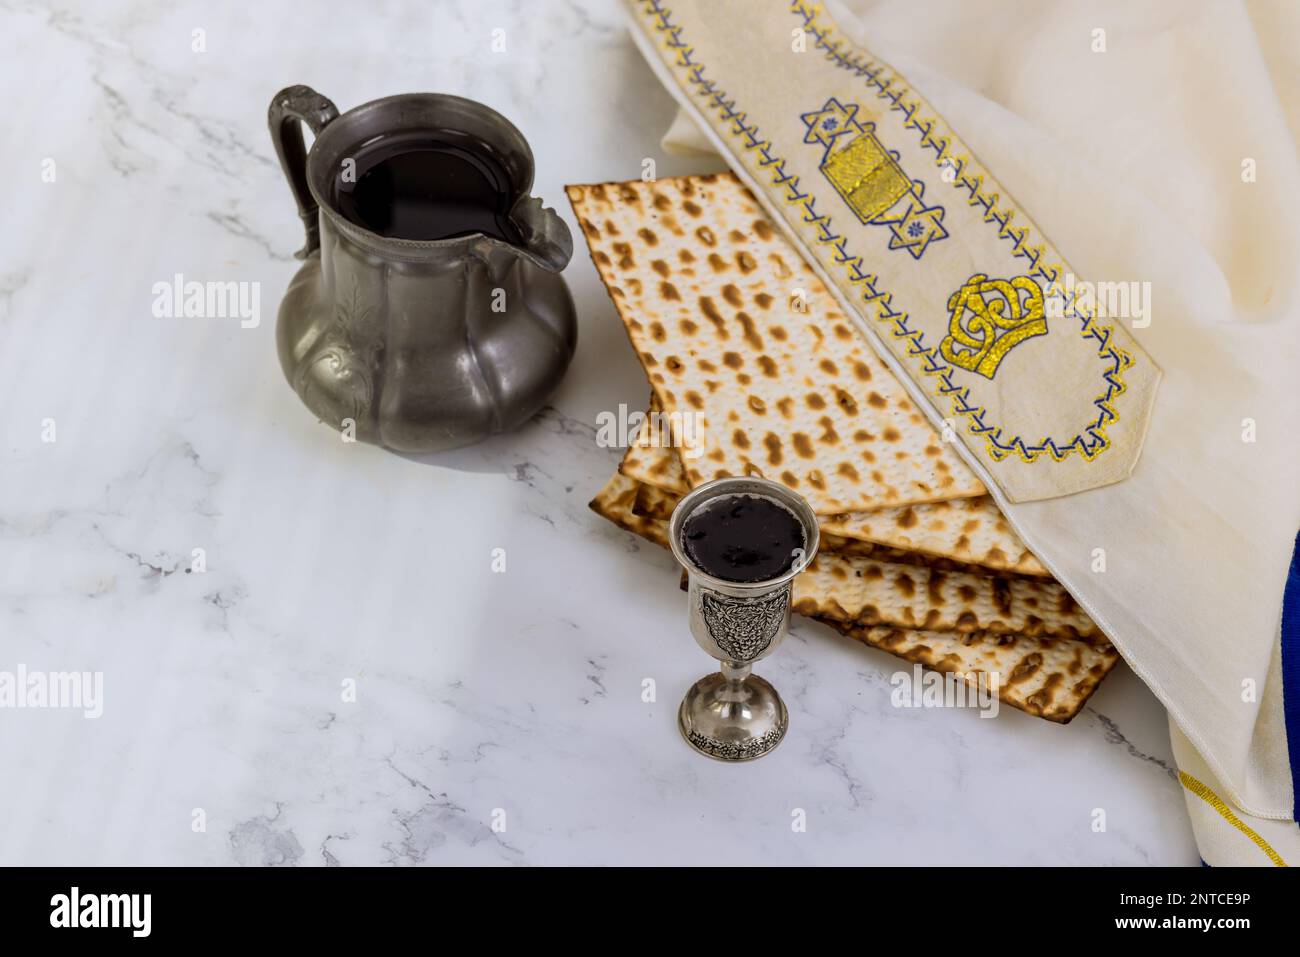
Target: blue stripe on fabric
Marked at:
1291, 672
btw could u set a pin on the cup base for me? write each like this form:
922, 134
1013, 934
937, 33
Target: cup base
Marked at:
732, 719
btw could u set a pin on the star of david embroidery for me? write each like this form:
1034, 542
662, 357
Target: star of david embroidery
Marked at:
918, 226
831, 122
870, 179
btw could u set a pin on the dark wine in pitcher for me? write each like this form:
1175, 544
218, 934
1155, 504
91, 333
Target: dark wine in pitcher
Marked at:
427, 186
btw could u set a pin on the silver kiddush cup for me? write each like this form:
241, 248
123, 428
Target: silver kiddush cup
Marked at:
734, 715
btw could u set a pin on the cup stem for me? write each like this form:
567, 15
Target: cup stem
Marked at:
735, 672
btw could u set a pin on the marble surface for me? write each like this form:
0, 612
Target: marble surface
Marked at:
498, 717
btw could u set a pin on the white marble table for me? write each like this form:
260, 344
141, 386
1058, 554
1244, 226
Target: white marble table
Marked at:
477, 693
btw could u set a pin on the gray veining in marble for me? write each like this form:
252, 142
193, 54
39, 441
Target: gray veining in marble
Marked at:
498, 718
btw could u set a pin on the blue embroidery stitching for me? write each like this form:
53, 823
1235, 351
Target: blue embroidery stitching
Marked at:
870, 181
1089, 443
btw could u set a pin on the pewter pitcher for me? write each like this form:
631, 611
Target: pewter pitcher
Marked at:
418, 346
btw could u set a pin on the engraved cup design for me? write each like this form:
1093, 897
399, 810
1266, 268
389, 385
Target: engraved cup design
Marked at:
734, 715
744, 627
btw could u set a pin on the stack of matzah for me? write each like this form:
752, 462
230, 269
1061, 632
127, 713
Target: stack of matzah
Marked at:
734, 329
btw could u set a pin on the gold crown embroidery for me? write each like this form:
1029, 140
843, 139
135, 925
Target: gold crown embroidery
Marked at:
990, 317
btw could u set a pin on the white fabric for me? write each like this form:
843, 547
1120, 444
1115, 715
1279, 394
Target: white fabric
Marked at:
1131, 160
1225, 834
685, 139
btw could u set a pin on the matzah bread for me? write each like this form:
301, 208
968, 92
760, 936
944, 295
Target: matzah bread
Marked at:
868, 592
615, 502
852, 546
707, 288
1050, 678
971, 531
653, 502
1047, 677
650, 462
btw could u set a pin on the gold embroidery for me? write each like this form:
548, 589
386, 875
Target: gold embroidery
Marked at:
982, 331
869, 179
960, 171
1203, 792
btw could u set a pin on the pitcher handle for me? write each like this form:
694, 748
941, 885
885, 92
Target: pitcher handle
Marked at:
290, 108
